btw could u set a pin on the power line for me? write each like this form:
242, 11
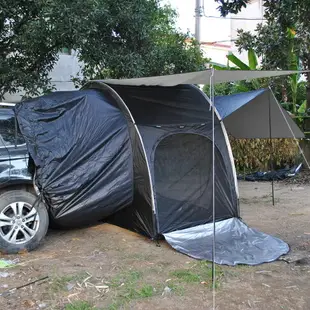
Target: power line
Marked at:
236, 18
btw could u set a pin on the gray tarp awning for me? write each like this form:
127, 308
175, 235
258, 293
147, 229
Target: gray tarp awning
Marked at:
248, 115
200, 77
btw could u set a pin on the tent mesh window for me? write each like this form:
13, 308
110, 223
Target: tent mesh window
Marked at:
183, 182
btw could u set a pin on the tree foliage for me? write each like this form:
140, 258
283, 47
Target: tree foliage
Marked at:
144, 42
270, 39
231, 6
31, 34
124, 38
229, 88
283, 43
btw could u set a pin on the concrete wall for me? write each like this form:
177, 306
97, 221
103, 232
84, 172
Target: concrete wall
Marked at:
217, 52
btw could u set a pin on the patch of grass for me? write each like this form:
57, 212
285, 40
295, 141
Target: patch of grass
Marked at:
131, 292
60, 283
128, 287
200, 272
127, 278
177, 289
115, 305
134, 276
80, 305
146, 291
186, 276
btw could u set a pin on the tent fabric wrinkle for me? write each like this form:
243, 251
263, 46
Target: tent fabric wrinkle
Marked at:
80, 145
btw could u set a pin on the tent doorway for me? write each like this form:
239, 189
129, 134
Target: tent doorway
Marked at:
183, 181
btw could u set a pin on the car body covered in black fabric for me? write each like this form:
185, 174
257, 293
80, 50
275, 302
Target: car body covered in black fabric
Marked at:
80, 145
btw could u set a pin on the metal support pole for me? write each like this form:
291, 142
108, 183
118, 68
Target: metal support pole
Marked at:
271, 151
198, 14
213, 179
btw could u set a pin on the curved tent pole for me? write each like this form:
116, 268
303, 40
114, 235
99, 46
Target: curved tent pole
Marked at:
119, 99
229, 149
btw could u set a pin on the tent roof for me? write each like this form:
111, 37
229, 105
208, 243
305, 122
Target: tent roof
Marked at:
256, 114
200, 77
245, 115
226, 105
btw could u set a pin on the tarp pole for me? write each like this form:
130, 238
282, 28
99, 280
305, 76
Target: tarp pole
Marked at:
271, 151
213, 180
292, 132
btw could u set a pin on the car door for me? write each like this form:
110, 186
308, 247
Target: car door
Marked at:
5, 165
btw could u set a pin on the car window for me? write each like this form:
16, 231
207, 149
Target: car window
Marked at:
7, 131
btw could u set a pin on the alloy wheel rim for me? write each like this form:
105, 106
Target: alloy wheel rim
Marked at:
19, 222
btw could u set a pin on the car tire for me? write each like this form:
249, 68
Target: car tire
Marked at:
23, 222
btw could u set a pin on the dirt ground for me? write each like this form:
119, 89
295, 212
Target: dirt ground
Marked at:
106, 267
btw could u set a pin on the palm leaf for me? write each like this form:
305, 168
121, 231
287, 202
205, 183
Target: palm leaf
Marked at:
236, 61
253, 62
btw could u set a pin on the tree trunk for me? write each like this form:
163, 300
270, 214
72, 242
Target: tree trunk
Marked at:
307, 120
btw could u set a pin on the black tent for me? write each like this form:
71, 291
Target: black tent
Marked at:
172, 160
141, 157
162, 162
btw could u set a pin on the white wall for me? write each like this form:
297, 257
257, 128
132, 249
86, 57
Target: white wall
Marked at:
253, 10
216, 53
212, 29
66, 67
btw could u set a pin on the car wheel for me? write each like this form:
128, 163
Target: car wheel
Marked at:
23, 224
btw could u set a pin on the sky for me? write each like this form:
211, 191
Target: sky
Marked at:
211, 29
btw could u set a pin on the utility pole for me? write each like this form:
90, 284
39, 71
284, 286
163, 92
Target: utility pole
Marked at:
198, 15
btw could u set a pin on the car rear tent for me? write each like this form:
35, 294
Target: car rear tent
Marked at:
150, 150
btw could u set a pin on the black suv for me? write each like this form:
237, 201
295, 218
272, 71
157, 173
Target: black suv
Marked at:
23, 219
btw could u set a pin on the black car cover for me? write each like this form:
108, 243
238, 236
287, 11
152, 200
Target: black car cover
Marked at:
80, 144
